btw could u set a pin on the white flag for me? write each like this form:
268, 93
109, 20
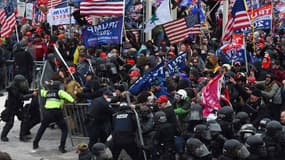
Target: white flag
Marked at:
162, 15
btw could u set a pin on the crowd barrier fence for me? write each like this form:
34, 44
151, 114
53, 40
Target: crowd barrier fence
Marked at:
75, 116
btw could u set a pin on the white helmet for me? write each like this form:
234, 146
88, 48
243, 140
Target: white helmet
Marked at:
182, 93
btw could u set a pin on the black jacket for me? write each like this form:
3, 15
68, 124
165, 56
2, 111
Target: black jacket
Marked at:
100, 111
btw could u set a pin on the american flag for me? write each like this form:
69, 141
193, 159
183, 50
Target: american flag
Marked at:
179, 29
196, 29
240, 16
89, 19
38, 15
7, 20
53, 3
102, 8
228, 30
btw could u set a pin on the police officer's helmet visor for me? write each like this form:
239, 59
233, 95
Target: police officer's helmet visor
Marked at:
195, 115
214, 127
201, 151
243, 153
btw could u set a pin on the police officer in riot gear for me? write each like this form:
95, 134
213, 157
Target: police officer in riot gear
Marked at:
101, 152
262, 126
256, 147
218, 139
275, 140
225, 119
202, 132
98, 118
194, 117
245, 131
234, 150
18, 91
124, 128
240, 119
164, 146
52, 113
196, 150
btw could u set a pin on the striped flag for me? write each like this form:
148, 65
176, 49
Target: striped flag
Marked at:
228, 30
8, 20
89, 19
2, 16
196, 29
179, 29
38, 15
240, 16
54, 3
102, 8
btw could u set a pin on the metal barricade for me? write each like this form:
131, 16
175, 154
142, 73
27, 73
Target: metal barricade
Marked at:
75, 118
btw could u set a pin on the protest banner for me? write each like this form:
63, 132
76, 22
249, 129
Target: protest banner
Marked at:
107, 32
60, 16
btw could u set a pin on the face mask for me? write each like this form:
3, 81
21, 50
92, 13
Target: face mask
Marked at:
109, 99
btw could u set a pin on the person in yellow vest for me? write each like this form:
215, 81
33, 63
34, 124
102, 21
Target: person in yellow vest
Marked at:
54, 100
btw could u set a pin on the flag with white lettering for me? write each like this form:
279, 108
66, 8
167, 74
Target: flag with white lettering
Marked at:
211, 94
159, 72
107, 32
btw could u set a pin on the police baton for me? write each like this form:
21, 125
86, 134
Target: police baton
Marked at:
138, 124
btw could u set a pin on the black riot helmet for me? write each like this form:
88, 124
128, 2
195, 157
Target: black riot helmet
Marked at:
226, 113
196, 148
98, 148
124, 106
21, 83
101, 152
234, 149
246, 130
160, 117
256, 145
196, 112
202, 131
242, 117
273, 127
263, 123
214, 126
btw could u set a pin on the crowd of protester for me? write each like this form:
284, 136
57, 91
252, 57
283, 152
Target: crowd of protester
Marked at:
248, 126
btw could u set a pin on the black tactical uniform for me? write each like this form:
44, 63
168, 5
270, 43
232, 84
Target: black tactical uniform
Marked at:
256, 147
196, 150
124, 131
275, 140
17, 93
164, 146
234, 150
99, 117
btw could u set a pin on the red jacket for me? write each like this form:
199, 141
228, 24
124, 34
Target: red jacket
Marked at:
40, 50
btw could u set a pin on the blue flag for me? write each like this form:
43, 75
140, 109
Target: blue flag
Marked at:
159, 72
107, 32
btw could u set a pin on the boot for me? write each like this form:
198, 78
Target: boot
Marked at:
24, 139
4, 139
35, 145
62, 149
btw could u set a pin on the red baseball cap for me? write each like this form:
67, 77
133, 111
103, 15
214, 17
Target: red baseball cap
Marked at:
134, 73
162, 99
251, 80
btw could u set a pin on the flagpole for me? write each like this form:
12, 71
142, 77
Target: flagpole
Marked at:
148, 16
51, 28
225, 15
272, 18
17, 33
252, 27
245, 55
123, 26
